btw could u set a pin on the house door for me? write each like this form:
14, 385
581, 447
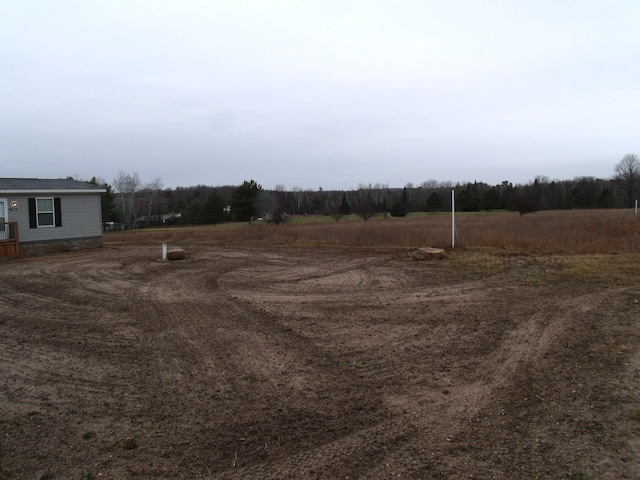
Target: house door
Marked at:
4, 216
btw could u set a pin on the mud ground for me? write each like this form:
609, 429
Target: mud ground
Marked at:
274, 363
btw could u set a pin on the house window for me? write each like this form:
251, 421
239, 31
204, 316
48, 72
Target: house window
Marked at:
44, 207
45, 212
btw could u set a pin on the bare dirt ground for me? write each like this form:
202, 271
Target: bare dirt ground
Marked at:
275, 363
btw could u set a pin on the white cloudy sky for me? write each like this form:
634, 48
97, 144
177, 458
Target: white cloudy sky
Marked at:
326, 93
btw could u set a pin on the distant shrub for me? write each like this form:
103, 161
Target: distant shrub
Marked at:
398, 209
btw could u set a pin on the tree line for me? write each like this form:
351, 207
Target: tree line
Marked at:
130, 202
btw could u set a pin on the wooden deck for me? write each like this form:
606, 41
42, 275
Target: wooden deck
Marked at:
9, 237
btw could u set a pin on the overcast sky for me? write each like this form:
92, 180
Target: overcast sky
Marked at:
312, 94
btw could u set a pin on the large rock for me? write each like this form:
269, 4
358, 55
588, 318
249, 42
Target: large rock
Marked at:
428, 252
176, 253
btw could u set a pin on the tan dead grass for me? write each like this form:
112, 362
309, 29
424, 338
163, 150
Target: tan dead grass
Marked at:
582, 269
552, 232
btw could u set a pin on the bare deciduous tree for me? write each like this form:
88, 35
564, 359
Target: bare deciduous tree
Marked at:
365, 206
430, 184
275, 204
152, 191
628, 177
127, 185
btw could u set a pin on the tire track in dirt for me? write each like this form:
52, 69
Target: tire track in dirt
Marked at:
262, 364
224, 347
62, 312
47, 355
329, 459
456, 405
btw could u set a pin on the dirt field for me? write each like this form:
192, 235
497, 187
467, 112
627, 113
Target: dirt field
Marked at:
275, 363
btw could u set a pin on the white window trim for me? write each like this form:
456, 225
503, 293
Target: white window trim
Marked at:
53, 212
5, 212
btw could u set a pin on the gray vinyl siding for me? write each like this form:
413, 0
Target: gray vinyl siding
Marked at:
21, 214
81, 217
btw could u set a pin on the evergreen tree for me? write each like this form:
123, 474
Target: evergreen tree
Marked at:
405, 200
491, 199
192, 214
434, 202
606, 199
575, 199
245, 201
469, 198
213, 211
345, 209
398, 209
110, 210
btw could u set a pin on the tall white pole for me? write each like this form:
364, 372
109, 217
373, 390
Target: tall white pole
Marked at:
453, 218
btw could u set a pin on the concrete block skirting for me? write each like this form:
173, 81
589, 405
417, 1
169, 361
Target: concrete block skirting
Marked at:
54, 246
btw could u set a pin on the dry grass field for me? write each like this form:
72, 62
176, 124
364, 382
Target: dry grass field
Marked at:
324, 350
552, 232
